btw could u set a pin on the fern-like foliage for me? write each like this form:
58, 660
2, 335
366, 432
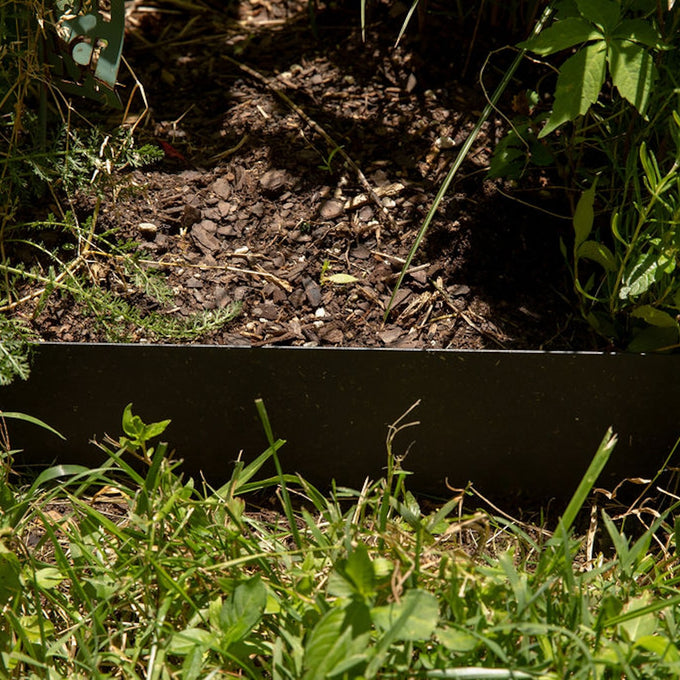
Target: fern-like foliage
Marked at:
15, 344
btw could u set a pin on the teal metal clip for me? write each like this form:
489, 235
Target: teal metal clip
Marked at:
85, 49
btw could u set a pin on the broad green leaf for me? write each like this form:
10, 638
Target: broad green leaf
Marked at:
186, 640
354, 575
654, 317
507, 161
382, 567
457, 640
578, 85
661, 646
633, 72
602, 323
359, 568
103, 587
652, 339
10, 583
641, 276
243, 610
131, 424
340, 278
414, 618
155, 429
584, 216
605, 13
214, 610
598, 252
566, 9
541, 155
192, 668
640, 626
639, 31
334, 645
561, 35
37, 629
48, 578
134, 426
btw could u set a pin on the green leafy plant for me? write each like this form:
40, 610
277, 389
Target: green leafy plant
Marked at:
15, 340
608, 42
612, 137
634, 290
141, 572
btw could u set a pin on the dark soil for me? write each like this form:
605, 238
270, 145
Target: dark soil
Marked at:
251, 205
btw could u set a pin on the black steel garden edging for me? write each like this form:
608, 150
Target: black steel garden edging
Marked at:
513, 423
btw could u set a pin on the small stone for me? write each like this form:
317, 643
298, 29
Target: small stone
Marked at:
458, 289
360, 252
193, 282
366, 213
331, 209
445, 142
148, 229
320, 313
411, 83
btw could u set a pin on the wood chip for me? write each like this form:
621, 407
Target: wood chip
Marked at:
274, 180
390, 335
203, 235
221, 188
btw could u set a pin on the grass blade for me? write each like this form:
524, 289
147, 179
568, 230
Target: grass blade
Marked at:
287, 506
462, 154
589, 478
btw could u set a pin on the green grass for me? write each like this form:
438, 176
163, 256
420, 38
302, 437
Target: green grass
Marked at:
131, 571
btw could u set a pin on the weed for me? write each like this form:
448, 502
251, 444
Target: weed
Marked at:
613, 135
130, 570
14, 351
53, 153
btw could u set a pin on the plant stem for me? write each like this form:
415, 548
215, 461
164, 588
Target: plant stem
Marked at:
462, 154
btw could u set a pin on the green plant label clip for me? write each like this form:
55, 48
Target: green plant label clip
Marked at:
85, 50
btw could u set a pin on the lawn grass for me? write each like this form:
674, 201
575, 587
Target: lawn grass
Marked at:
132, 571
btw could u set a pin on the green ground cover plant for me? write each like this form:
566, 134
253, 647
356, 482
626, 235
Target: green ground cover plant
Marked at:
130, 570
56, 152
617, 92
610, 134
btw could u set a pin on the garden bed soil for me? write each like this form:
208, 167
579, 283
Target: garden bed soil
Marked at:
253, 204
